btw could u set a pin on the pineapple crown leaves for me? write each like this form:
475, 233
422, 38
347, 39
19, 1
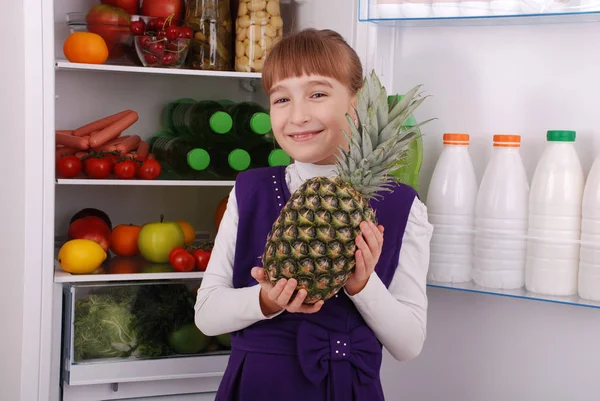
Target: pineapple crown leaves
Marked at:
378, 141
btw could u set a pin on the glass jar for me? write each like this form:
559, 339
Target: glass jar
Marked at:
211, 47
257, 28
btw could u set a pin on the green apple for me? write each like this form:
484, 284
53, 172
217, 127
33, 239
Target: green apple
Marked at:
156, 240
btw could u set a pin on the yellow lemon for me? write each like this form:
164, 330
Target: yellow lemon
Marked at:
81, 256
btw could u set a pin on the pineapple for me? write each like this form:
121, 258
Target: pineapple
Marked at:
313, 239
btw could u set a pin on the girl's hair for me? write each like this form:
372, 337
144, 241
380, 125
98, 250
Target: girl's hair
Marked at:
311, 51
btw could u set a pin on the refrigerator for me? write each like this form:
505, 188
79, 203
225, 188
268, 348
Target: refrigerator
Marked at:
498, 74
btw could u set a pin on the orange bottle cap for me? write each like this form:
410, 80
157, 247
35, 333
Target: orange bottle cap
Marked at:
456, 139
507, 141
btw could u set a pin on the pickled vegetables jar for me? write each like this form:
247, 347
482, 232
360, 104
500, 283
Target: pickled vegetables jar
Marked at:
211, 47
258, 27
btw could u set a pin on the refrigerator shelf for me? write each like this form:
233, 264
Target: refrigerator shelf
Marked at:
61, 276
420, 13
64, 65
521, 293
154, 183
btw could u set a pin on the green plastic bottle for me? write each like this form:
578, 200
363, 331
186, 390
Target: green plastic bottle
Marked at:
181, 156
227, 163
251, 122
409, 168
267, 155
206, 122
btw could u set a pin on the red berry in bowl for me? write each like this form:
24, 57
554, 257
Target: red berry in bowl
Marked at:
150, 58
160, 23
161, 35
157, 48
187, 32
173, 45
145, 41
152, 25
168, 58
172, 32
137, 27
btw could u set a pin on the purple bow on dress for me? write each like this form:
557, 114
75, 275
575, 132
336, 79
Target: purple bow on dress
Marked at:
351, 359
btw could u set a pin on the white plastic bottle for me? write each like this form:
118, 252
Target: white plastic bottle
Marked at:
451, 209
500, 245
555, 218
589, 256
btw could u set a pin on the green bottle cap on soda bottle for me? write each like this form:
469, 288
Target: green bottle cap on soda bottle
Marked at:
278, 157
410, 121
221, 122
198, 159
260, 123
239, 159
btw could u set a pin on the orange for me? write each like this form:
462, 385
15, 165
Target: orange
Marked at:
124, 240
85, 47
220, 211
189, 234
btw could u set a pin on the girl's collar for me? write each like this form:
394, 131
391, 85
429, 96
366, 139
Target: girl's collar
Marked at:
309, 170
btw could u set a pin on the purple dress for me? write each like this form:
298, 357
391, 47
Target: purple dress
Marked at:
329, 355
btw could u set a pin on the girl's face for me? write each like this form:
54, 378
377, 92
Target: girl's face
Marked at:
308, 114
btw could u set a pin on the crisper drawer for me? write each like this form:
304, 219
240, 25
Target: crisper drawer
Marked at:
134, 332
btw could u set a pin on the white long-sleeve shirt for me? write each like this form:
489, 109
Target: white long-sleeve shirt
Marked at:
397, 315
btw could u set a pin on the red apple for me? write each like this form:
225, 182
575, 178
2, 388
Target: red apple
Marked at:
91, 228
112, 24
131, 6
163, 8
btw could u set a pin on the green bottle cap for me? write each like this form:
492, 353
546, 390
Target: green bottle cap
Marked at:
560, 136
198, 159
260, 123
278, 157
410, 121
221, 122
239, 159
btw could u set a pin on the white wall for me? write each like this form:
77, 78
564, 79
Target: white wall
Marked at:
486, 80
12, 198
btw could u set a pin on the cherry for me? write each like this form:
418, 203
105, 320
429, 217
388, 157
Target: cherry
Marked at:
172, 32
173, 45
160, 23
137, 27
145, 41
150, 58
157, 48
161, 35
187, 32
152, 25
168, 59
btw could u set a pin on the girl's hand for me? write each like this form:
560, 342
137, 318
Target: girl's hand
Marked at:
273, 299
367, 255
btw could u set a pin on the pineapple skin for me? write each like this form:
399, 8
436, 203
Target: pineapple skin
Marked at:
313, 239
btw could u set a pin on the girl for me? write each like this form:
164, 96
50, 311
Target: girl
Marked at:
283, 349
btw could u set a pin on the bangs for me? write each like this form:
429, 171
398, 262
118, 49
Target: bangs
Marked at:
313, 52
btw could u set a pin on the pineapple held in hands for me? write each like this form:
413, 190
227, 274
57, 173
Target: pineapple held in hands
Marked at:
313, 239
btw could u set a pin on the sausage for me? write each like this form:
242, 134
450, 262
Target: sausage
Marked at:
112, 131
64, 131
99, 124
128, 144
111, 146
143, 149
81, 143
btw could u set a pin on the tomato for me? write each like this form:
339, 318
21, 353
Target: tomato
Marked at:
181, 260
125, 169
114, 159
98, 167
68, 166
163, 8
149, 170
201, 258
